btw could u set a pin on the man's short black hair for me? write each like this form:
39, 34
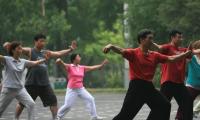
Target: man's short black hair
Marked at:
143, 34
13, 46
39, 36
173, 33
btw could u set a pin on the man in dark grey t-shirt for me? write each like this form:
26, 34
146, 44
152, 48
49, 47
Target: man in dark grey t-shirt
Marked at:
37, 80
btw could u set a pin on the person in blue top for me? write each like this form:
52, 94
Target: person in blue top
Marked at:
193, 77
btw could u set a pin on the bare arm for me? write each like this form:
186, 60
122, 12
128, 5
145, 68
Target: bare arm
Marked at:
60, 62
158, 47
196, 51
61, 53
34, 63
175, 58
114, 48
94, 67
26, 51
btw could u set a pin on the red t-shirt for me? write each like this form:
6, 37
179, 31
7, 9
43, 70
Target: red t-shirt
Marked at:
174, 72
143, 66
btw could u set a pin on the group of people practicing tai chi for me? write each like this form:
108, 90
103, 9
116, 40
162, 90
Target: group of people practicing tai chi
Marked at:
142, 65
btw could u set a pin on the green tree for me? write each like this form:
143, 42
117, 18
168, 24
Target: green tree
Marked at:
112, 75
62, 21
183, 15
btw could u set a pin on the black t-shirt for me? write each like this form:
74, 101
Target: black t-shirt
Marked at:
37, 75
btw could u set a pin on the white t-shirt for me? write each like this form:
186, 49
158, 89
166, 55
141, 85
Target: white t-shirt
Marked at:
13, 72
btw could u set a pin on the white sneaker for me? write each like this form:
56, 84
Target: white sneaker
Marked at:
58, 118
195, 114
97, 118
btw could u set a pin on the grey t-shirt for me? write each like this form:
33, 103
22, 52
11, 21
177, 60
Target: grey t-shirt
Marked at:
37, 75
13, 75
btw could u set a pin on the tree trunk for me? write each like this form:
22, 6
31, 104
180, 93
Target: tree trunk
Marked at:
43, 7
127, 39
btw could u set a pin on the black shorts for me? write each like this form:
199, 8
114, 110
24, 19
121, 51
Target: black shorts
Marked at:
45, 93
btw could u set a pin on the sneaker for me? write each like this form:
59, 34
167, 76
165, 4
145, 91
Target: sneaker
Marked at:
97, 118
195, 114
58, 118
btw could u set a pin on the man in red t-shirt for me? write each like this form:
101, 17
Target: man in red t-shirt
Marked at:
173, 76
143, 64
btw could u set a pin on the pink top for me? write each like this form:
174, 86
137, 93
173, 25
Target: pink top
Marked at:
75, 75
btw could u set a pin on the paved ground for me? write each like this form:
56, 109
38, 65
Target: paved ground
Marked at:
108, 105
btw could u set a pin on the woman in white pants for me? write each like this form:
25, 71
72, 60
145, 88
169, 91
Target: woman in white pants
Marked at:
196, 109
12, 83
75, 86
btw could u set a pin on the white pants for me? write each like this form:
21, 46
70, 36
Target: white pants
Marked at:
71, 95
197, 107
8, 94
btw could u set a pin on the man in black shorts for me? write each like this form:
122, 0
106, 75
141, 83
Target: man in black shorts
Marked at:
37, 80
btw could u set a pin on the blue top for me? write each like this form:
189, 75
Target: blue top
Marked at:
193, 78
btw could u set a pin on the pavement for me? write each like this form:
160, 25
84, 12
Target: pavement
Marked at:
108, 105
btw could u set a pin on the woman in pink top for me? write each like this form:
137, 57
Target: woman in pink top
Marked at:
75, 86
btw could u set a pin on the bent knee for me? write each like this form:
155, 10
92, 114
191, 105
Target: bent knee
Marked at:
91, 99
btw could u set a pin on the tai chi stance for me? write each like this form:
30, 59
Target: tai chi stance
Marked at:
75, 86
12, 85
143, 64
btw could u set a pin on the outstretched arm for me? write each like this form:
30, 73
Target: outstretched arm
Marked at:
114, 48
94, 67
61, 53
175, 58
6, 46
60, 62
196, 51
37, 62
26, 51
34, 63
158, 47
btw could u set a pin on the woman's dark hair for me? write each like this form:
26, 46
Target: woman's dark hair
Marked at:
143, 34
39, 36
73, 57
13, 46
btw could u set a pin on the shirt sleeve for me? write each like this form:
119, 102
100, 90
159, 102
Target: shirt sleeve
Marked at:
164, 49
67, 67
84, 67
128, 54
6, 60
161, 58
